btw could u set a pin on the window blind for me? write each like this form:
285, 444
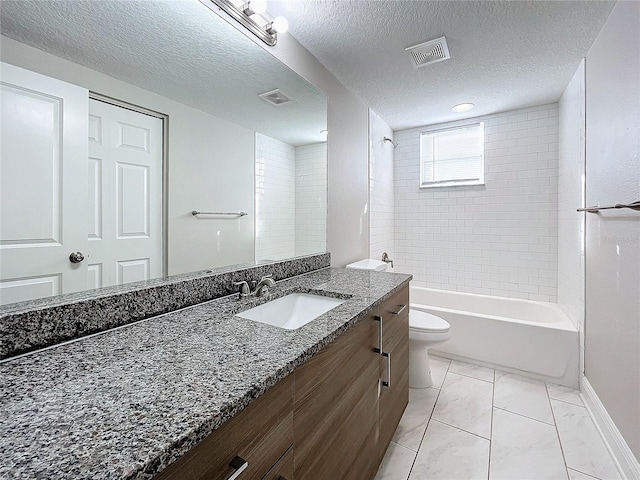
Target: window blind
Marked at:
452, 156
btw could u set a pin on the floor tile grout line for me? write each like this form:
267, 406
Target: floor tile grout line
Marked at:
471, 376
429, 421
555, 422
567, 401
461, 429
525, 416
583, 473
493, 396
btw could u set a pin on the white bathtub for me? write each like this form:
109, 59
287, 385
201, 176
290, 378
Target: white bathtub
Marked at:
534, 339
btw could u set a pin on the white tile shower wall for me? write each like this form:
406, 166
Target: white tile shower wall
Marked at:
495, 239
275, 199
381, 222
311, 199
571, 171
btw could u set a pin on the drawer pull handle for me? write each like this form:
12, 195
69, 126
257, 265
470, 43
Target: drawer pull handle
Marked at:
387, 384
379, 320
400, 311
239, 464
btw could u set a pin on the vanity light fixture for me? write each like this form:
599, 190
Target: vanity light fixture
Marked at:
250, 15
254, 7
463, 107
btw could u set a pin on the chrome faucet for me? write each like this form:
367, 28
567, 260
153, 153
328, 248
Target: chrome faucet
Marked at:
386, 259
243, 290
261, 289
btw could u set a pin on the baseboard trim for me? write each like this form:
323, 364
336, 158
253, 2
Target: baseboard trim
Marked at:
622, 455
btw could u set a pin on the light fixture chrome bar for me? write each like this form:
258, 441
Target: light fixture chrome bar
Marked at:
195, 213
230, 9
595, 209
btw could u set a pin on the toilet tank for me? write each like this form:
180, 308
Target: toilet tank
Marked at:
369, 264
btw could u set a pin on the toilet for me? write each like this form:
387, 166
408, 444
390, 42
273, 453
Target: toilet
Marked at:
425, 332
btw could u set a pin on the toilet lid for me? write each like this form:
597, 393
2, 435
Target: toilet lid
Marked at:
427, 322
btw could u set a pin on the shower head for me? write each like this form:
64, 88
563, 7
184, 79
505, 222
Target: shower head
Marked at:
387, 139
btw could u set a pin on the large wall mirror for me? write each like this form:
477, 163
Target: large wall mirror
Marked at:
120, 119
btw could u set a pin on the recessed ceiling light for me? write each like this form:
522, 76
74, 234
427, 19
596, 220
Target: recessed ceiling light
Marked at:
463, 107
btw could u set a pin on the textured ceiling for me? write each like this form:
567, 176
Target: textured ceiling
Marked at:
178, 49
504, 55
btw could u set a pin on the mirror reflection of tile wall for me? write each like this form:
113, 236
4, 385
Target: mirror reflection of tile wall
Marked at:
291, 199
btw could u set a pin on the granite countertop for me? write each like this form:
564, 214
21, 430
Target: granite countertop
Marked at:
125, 403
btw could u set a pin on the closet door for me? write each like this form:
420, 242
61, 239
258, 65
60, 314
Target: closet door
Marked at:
43, 185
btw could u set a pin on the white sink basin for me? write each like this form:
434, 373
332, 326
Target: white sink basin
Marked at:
291, 311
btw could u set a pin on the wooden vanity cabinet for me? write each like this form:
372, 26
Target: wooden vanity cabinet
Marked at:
335, 417
394, 315
283, 470
344, 417
261, 434
331, 419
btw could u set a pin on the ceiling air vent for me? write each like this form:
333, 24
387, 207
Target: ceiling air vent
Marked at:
275, 97
429, 52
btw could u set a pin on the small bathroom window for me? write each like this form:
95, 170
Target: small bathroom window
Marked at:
452, 156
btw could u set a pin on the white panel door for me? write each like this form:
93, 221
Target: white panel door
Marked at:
43, 151
125, 195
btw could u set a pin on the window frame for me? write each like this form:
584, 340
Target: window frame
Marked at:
453, 183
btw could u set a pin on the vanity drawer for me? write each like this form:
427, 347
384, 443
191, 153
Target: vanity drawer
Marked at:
395, 319
260, 435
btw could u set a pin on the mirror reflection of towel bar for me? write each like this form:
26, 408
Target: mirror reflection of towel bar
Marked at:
595, 209
235, 214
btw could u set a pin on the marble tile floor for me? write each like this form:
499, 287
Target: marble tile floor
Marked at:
477, 423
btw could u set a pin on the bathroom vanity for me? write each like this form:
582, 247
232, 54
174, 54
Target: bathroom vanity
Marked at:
199, 392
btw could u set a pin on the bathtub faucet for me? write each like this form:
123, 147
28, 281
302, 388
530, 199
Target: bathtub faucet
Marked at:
386, 259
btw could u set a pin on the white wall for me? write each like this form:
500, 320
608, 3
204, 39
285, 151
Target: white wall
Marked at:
275, 199
612, 294
571, 170
311, 199
499, 238
382, 228
200, 147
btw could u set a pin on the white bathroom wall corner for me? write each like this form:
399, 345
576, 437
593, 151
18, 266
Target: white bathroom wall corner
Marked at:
625, 460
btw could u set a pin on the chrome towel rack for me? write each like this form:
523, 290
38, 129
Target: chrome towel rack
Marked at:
195, 213
595, 209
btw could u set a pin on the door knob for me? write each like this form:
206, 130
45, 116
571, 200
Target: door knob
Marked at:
76, 257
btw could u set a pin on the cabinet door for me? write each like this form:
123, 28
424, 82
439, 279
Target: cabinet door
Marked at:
336, 408
283, 470
394, 365
260, 434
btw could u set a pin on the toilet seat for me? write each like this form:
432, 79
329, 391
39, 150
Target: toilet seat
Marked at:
426, 322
